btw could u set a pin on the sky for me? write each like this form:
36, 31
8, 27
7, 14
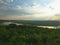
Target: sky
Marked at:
29, 9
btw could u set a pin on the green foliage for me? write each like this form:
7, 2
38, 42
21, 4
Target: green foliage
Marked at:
28, 35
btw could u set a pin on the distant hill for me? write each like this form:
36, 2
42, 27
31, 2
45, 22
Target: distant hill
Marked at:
33, 22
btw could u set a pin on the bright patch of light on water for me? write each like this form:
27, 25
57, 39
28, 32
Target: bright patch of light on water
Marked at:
49, 27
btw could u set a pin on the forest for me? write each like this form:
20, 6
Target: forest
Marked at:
28, 35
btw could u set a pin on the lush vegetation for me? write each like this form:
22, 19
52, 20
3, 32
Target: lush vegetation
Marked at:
28, 35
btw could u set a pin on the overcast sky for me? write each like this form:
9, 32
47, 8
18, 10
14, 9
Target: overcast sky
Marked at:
30, 9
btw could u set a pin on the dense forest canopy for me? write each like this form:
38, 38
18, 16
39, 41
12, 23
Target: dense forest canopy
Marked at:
28, 35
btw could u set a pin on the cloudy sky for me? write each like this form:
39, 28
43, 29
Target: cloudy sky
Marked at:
29, 9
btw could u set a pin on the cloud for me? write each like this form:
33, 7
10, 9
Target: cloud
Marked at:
55, 17
26, 17
27, 11
15, 17
54, 6
9, 0
35, 8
